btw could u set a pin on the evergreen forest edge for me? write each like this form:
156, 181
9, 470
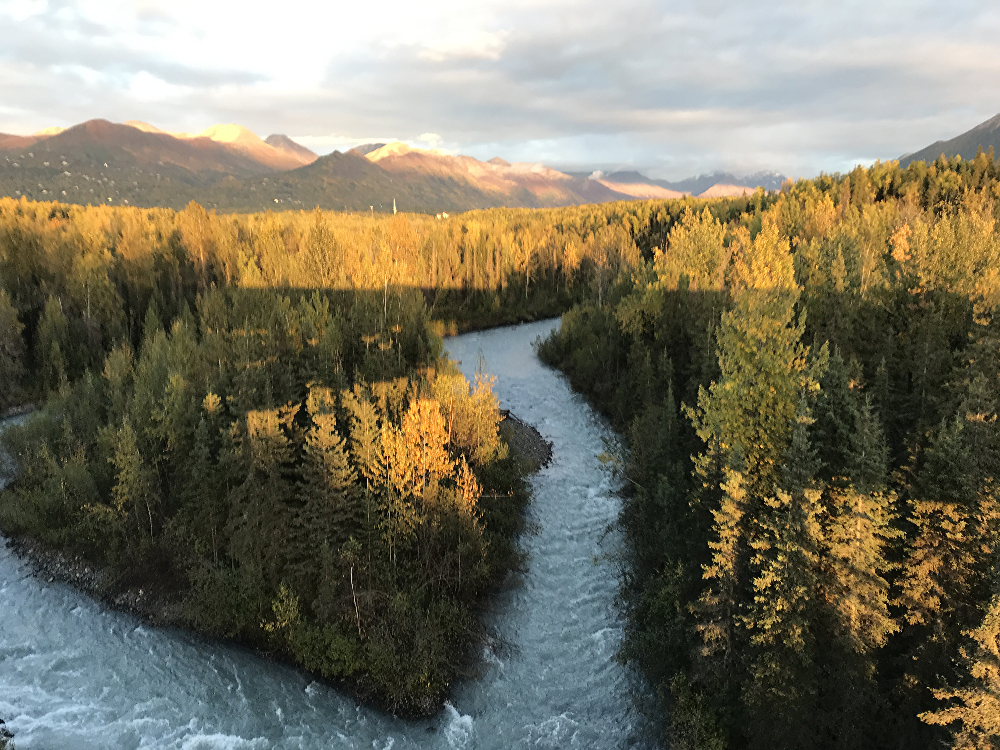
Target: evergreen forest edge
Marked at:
808, 394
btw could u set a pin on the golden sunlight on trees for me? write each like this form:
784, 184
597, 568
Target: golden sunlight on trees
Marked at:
813, 552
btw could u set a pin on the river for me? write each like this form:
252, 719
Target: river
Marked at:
75, 675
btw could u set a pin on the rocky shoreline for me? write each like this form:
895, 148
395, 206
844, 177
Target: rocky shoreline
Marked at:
53, 566
525, 442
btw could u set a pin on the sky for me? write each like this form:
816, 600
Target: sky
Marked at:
669, 88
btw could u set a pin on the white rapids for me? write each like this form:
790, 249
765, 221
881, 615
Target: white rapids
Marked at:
74, 675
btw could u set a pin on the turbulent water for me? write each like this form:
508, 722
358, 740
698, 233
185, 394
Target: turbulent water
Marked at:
74, 675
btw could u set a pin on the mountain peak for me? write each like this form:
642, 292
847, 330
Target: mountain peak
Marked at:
286, 145
232, 133
398, 148
366, 148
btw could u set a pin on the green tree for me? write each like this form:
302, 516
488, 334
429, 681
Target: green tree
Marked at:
135, 491
975, 706
52, 344
782, 618
333, 511
11, 352
764, 367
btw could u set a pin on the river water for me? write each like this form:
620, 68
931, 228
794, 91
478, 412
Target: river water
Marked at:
74, 675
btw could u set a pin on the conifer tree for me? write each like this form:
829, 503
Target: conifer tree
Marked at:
118, 376
746, 421
259, 513
939, 574
868, 456
782, 618
135, 491
332, 512
976, 705
201, 519
719, 607
52, 344
835, 412
860, 535
364, 435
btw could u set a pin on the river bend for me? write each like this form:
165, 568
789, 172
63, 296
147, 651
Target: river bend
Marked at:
75, 676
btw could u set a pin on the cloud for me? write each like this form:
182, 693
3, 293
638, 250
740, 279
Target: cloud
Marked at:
674, 88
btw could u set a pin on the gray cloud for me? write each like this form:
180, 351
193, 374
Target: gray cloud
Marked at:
674, 88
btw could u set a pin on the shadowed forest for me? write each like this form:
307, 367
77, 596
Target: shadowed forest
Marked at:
808, 395
253, 413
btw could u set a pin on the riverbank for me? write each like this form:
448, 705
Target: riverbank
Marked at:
76, 673
17, 411
6, 737
525, 442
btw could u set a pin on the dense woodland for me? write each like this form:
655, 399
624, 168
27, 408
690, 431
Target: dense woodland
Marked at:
249, 417
253, 411
809, 396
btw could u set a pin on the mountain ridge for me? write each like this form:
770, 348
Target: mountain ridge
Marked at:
230, 168
985, 135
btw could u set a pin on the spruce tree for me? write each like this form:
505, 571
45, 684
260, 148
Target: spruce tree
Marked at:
135, 492
259, 508
52, 345
788, 545
333, 511
860, 536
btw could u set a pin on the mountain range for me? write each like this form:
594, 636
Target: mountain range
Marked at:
230, 168
718, 183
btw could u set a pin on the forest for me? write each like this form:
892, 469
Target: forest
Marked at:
251, 413
808, 395
249, 417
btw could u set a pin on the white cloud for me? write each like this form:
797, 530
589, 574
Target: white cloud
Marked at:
467, 43
145, 87
433, 140
668, 86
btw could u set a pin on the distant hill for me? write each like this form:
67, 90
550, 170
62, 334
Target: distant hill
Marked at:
8, 141
347, 181
986, 135
701, 183
704, 186
229, 168
641, 189
286, 144
721, 190
521, 183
